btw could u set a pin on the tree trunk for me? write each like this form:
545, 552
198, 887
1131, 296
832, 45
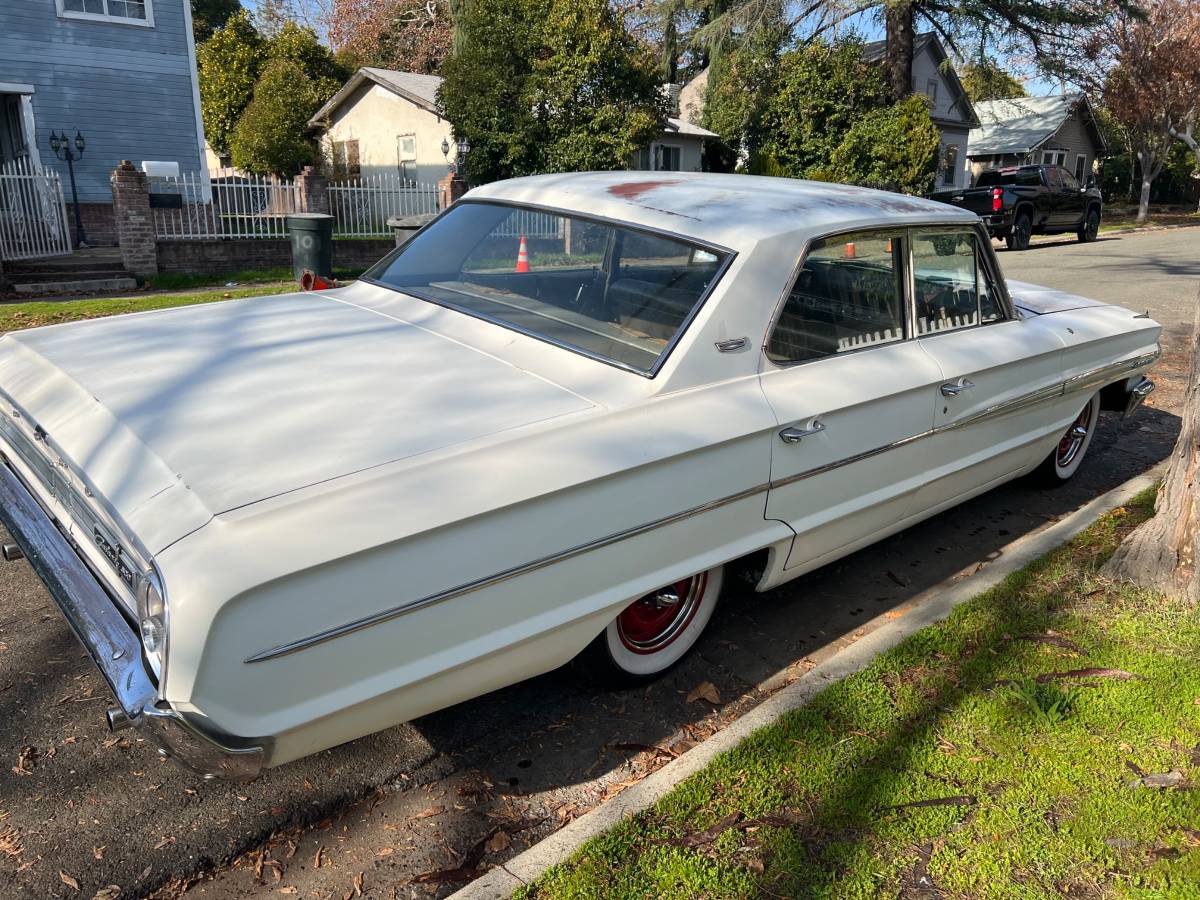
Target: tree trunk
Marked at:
1161, 553
898, 54
1186, 134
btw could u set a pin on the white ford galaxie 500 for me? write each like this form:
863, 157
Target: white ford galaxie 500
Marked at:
540, 431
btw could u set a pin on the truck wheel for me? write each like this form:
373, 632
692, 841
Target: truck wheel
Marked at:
1090, 227
653, 633
1064, 460
1018, 238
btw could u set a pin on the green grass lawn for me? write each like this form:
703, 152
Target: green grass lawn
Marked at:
962, 759
15, 316
1110, 223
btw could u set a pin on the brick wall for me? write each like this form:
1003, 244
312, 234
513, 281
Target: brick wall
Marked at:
99, 223
219, 256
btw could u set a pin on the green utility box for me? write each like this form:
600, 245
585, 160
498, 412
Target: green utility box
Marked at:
312, 243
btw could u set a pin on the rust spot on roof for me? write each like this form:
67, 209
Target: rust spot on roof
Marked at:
631, 190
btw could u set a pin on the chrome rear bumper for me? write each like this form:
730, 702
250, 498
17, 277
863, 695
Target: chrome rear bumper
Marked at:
1139, 392
115, 646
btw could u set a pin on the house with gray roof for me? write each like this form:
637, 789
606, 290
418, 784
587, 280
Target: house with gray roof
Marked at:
949, 106
385, 122
1057, 130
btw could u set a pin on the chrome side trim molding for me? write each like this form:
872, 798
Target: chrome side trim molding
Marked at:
1075, 383
479, 583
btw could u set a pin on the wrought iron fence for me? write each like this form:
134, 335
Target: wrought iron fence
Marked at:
33, 215
199, 205
362, 206
531, 224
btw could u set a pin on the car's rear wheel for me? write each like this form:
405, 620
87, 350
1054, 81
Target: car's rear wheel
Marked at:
1018, 238
654, 632
1091, 227
1064, 460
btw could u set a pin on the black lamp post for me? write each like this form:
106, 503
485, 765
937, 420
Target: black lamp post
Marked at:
61, 145
461, 149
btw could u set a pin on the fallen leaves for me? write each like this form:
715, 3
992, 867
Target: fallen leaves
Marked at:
25, 761
1172, 779
68, 880
706, 690
498, 843
10, 842
436, 810
1054, 639
112, 892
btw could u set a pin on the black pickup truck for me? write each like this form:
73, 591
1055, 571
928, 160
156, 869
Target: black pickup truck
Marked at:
1021, 201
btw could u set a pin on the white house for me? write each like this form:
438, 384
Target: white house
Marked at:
388, 122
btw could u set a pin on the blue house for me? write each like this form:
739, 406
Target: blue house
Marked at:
121, 73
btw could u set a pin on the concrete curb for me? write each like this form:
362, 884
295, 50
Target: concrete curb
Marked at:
928, 607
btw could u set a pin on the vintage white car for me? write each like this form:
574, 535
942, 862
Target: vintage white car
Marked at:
542, 430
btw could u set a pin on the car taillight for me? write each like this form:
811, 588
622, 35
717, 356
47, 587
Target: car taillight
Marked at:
997, 199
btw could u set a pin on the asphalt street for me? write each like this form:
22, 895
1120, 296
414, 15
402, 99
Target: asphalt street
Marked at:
81, 809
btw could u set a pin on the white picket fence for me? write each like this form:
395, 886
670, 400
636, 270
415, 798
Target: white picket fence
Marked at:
362, 206
33, 215
530, 224
228, 206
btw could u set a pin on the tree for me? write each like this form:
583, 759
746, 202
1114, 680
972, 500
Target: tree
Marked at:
410, 35
228, 64
1162, 552
893, 148
272, 15
549, 86
231, 61
209, 15
1146, 67
983, 79
820, 91
271, 135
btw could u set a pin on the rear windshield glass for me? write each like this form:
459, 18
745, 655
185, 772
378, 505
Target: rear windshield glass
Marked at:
1019, 177
610, 291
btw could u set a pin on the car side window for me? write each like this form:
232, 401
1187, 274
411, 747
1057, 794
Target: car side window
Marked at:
1053, 178
846, 297
1068, 180
954, 289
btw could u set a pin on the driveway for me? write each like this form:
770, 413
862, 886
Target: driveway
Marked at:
80, 809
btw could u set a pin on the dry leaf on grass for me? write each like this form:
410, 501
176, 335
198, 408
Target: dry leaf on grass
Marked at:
435, 810
68, 880
98, 852
1171, 779
25, 759
706, 690
288, 890
112, 892
10, 842
316, 863
358, 884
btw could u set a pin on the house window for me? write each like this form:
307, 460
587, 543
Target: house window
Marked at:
406, 155
1080, 168
931, 90
345, 159
1054, 157
13, 127
949, 164
667, 158
126, 12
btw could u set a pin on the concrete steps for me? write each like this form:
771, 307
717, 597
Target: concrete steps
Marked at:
86, 271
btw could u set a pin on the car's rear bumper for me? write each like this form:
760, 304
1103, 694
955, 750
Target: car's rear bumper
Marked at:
115, 646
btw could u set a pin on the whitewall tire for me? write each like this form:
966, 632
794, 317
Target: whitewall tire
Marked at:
653, 633
1066, 457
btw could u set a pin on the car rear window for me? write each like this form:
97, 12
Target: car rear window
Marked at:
613, 292
1018, 177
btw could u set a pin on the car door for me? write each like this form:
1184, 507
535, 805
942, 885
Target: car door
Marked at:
1071, 200
1000, 374
850, 390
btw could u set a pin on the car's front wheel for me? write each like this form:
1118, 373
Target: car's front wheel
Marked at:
654, 632
1090, 227
1064, 460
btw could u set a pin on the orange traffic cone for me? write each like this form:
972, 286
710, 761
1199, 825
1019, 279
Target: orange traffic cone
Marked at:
310, 281
848, 250
522, 257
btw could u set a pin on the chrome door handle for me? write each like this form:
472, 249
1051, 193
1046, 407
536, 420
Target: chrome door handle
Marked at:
953, 390
794, 435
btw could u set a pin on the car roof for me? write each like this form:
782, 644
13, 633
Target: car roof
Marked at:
735, 211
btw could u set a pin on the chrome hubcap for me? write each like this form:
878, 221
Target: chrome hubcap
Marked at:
1072, 441
658, 619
